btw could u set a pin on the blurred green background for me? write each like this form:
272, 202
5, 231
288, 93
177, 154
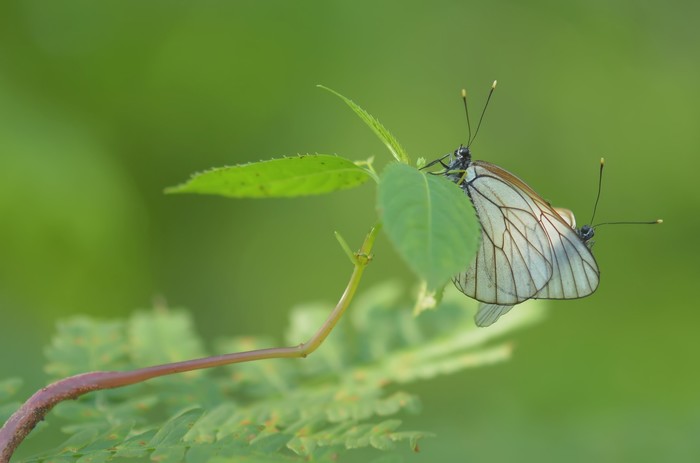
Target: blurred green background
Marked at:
103, 104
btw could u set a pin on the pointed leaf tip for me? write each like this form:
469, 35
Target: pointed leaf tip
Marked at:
384, 135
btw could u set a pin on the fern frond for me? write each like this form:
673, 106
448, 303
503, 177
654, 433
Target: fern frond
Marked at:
344, 396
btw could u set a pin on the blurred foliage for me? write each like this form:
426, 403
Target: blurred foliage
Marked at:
104, 104
343, 397
8, 389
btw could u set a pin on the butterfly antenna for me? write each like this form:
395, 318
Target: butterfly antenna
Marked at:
652, 222
466, 111
600, 183
493, 87
600, 186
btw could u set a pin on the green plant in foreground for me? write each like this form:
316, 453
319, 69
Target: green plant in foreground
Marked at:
341, 398
346, 396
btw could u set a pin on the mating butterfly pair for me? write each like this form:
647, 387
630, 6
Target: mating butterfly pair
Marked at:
529, 249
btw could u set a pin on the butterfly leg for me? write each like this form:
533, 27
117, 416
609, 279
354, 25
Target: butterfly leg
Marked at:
437, 161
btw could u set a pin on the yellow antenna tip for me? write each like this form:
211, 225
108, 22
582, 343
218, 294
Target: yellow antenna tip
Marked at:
602, 161
464, 93
494, 84
660, 221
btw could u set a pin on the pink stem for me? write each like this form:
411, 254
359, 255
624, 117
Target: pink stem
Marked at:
21, 423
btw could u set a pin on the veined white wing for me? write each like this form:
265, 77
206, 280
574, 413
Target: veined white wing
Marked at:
529, 249
575, 272
513, 262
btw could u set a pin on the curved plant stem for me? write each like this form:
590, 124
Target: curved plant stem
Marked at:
21, 423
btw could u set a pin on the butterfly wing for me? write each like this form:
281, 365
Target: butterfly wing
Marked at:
575, 272
574, 269
528, 250
488, 314
513, 262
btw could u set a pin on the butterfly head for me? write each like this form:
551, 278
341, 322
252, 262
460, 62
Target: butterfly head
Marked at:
461, 158
586, 233
463, 153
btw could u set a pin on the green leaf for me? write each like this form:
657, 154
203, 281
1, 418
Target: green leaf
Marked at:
99, 456
311, 174
430, 222
281, 410
136, 446
384, 135
170, 435
206, 429
79, 440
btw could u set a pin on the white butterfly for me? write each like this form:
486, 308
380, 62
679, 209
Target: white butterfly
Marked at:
529, 249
